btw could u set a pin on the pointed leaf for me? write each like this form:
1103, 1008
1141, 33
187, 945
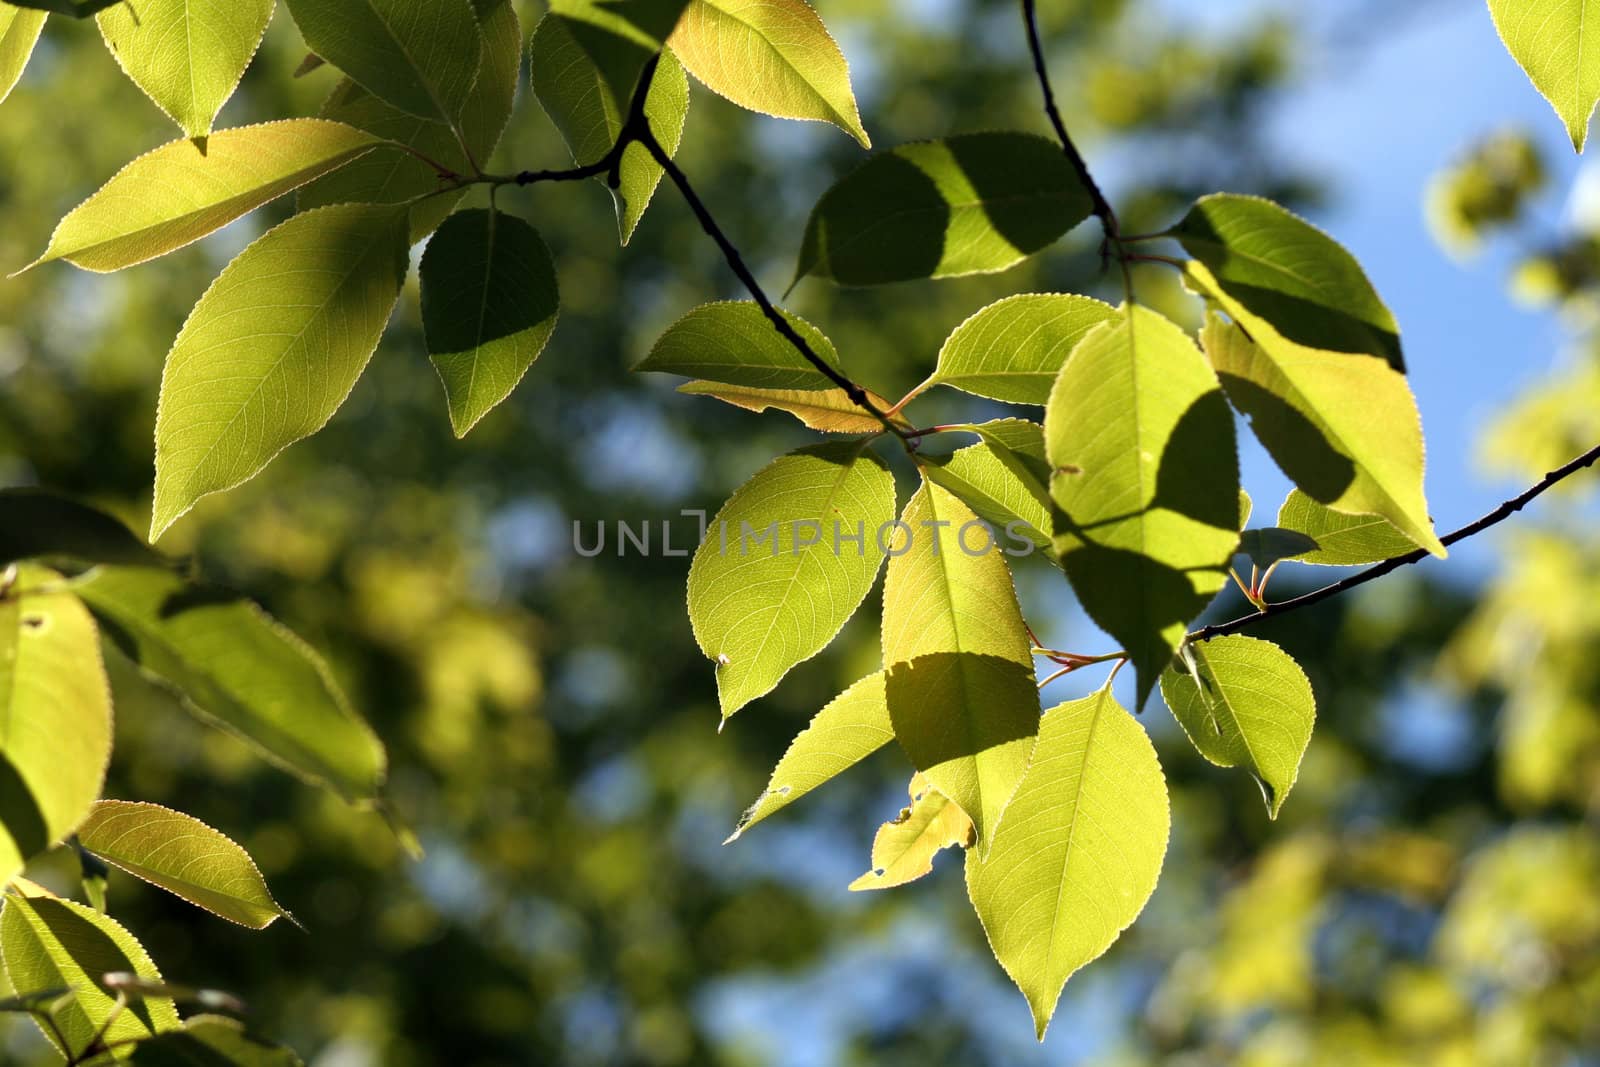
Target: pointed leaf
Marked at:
1342, 540
828, 410
55, 718
1343, 427
904, 849
19, 32
239, 669
419, 55
173, 195
961, 681
182, 855
852, 726
589, 112
186, 57
1003, 479
392, 175
211, 1041
1244, 703
1080, 850
734, 343
1146, 480
1270, 544
40, 524
489, 303
273, 348
1288, 273
1547, 39
48, 943
1014, 349
776, 579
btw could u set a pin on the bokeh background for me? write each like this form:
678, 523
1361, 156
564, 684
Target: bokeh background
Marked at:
1431, 894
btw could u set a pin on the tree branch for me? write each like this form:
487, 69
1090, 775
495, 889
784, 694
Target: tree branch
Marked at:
1102, 206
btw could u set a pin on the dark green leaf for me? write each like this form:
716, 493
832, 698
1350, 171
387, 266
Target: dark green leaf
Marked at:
37, 524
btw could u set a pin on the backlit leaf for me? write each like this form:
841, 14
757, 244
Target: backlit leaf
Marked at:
273, 348
19, 32
78, 9
771, 56
1244, 703
182, 855
828, 410
1547, 39
971, 204
1270, 544
489, 303
1003, 479
1013, 350
1342, 540
1146, 480
211, 1041
1079, 852
238, 669
732, 342
904, 848
776, 579
187, 57
960, 683
38, 524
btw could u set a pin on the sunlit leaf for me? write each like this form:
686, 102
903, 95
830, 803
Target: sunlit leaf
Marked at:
173, 195
49, 943
1003, 479
38, 524
960, 666
1547, 39
419, 55
273, 348
904, 848
182, 855
19, 32
971, 204
1342, 540
852, 726
1013, 350
211, 1041
55, 717
1245, 703
489, 304
187, 57
771, 56
732, 342
1146, 480
238, 668
828, 410
1079, 852
786, 562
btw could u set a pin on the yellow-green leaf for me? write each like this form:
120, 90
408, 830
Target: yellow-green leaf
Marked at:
273, 348
733, 342
19, 32
1342, 540
1555, 43
182, 855
1244, 703
187, 57
173, 195
1003, 478
828, 410
1079, 852
211, 1041
771, 56
1013, 349
960, 682
904, 848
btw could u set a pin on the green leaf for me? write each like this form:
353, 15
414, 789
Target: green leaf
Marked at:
774, 580
1270, 544
1080, 850
42, 525
19, 32
828, 410
585, 106
273, 348
1002, 479
734, 343
1343, 427
852, 726
78, 9
1013, 350
774, 57
1146, 480
240, 670
393, 175
960, 686
1547, 39
646, 24
489, 304
172, 196
188, 58
904, 849
1341, 540
1286, 272
184, 856
211, 1041
48, 942
972, 204
1244, 703
55, 718
419, 55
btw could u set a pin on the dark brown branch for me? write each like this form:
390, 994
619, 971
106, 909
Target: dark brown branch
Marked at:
634, 128
1316, 596
1102, 206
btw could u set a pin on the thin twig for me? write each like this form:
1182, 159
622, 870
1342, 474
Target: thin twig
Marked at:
1102, 206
